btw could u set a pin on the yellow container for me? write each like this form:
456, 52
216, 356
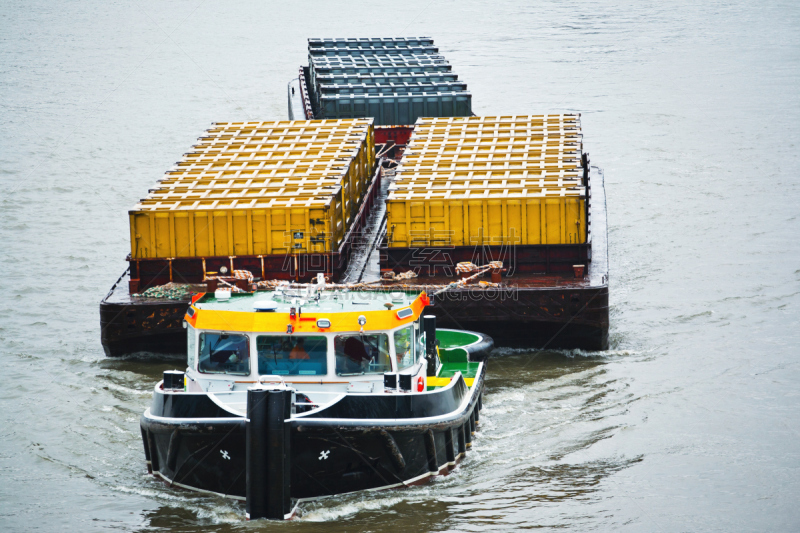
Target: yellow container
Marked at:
267, 130
428, 132
249, 183
477, 151
524, 218
489, 165
488, 174
500, 119
478, 184
270, 130
246, 194
214, 162
264, 143
533, 140
291, 124
352, 175
348, 179
191, 193
258, 188
326, 166
329, 139
266, 148
510, 158
234, 227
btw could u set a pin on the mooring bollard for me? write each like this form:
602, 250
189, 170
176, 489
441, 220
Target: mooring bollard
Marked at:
268, 453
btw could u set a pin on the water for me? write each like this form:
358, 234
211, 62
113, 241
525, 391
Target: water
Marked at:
688, 423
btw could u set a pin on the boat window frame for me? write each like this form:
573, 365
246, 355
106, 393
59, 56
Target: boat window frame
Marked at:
328, 351
389, 334
395, 363
249, 350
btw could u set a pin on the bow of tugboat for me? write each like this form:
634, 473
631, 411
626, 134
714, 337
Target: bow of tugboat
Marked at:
306, 392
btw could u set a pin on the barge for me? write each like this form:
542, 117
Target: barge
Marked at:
551, 289
307, 391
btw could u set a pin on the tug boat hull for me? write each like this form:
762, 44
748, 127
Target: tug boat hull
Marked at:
362, 442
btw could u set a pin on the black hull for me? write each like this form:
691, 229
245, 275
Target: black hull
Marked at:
329, 455
129, 326
563, 318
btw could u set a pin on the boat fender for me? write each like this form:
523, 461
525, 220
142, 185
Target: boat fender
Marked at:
172, 451
154, 463
146, 449
430, 451
462, 440
268, 454
395, 454
448, 446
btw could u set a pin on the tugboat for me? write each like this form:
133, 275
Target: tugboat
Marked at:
312, 390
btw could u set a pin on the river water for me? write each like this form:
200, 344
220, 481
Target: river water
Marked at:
690, 422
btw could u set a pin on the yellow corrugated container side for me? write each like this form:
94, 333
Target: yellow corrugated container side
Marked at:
279, 228
468, 222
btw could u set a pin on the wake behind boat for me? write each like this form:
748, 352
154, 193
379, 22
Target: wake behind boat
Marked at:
305, 392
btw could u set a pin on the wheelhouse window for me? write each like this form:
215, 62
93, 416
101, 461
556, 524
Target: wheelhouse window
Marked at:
404, 342
292, 355
362, 354
419, 334
224, 353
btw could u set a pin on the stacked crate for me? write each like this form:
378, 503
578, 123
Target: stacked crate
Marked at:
490, 181
393, 80
258, 188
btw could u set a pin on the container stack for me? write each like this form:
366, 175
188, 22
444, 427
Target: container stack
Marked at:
502, 180
258, 188
393, 80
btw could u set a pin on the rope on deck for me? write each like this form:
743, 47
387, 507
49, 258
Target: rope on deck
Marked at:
181, 291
